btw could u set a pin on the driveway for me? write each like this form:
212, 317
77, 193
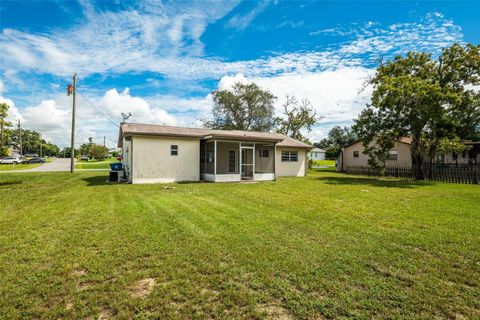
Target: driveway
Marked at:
56, 165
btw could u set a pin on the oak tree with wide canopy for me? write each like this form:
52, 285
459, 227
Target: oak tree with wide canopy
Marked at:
430, 100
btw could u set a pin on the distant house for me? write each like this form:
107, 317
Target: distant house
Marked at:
400, 156
316, 154
157, 154
353, 156
470, 156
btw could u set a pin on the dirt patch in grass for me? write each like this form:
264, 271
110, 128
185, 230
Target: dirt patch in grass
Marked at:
274, 311
142, 288
103, 315
79, 273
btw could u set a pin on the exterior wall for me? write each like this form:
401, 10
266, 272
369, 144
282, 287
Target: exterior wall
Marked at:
127, 157
315, 155
403, 156
295, 169
152, 162
264, 176
448, 158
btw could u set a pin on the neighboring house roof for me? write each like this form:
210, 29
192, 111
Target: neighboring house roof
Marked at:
160, 130
317, 150
406, 140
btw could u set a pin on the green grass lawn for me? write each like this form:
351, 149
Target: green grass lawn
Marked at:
21, 166
324, 246
324, 162
95, 164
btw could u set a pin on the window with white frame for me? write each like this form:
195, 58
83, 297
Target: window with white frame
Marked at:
289, 156
174, 150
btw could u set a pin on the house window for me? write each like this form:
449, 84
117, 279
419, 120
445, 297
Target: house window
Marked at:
454, 156
355, 154
289, 156
174, 150
264, 153
392, 155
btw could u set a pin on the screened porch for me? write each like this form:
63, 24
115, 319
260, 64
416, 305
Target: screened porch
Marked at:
229, 161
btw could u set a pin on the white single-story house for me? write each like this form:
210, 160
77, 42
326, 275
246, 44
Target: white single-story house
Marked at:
316, 154
159, 154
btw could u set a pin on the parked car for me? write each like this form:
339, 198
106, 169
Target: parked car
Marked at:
31, 155
84, 158
11, 160
35, 160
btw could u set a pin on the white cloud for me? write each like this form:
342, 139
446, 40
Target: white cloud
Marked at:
167, 40
241, 22
2, 86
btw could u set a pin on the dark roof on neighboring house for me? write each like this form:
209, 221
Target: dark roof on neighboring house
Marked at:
129, 129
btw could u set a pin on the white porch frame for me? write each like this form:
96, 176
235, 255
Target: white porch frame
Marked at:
234, 177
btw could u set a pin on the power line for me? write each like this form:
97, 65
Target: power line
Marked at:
100, 112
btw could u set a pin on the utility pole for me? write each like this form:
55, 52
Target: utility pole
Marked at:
40, 145
73, 90
20, 135
104, 141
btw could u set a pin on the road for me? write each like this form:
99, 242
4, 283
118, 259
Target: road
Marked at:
60, 164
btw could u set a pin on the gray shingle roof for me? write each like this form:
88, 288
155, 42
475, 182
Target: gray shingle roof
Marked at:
160, 130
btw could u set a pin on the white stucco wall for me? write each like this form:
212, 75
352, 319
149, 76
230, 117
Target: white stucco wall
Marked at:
296, 169
153, 163
126, 156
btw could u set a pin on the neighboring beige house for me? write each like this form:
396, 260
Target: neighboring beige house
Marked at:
316, 154
353, 156
158, 154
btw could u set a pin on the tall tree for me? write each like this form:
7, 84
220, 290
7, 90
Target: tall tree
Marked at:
337, 138
244, 107
3, 125
425, 99
297, 116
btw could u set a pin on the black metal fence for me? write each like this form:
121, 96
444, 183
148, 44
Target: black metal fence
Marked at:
447, 173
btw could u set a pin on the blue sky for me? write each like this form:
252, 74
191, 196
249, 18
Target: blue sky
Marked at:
161, 60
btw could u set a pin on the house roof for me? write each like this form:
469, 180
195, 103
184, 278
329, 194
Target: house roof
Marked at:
406, 140
128, 129
317, 150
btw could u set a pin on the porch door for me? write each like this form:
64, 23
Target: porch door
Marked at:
247, 162
232, 161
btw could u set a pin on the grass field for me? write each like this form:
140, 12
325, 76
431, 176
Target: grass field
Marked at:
324, 246
21, 166
324, 162
95, 164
